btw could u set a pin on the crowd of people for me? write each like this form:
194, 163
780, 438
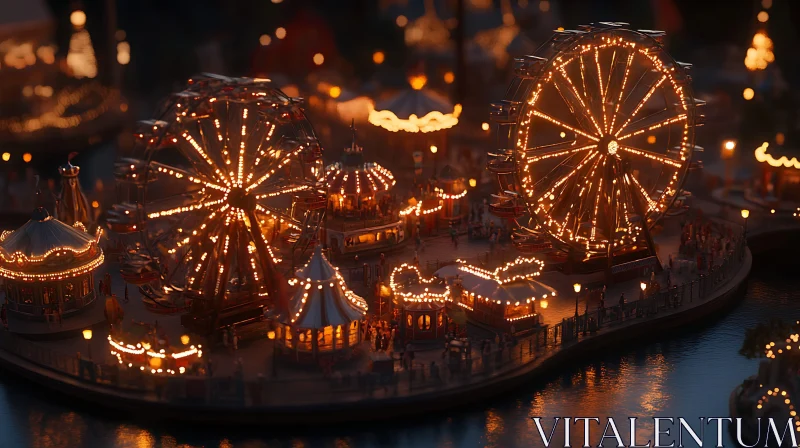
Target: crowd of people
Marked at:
704, 242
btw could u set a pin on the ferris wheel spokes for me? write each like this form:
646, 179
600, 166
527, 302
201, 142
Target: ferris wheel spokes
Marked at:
638, 127
581, 106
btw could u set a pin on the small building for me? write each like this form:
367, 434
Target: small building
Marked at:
420, 304
325, 317
451, 188
48, 265
501, 298
361, 215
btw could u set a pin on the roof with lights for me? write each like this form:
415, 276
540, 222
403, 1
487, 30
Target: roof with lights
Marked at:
509, 284
322, 298
415, 110
45, 248
408, 283
353, 176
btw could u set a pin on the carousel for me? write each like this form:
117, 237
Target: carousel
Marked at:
325, 317
419, 304
48, 267
501, 298
361, 213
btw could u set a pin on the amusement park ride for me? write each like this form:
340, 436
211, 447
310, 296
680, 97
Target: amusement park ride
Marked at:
596, 136
223, 197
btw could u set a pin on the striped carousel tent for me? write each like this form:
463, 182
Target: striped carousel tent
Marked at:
325, 316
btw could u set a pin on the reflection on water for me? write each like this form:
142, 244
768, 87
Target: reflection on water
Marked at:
689, 376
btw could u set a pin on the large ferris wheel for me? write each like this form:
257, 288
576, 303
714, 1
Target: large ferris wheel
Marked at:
227, 190
596, 138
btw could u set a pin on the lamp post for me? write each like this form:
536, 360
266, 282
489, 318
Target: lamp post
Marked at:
745, 215
643, 286
271, 336
728, 146
87, 334
434, 151
577, 288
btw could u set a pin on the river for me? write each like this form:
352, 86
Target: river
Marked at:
689, 375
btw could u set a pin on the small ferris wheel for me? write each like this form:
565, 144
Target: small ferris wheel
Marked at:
596, 139
229, 190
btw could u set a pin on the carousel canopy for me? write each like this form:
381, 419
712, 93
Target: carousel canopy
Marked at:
323, 298
415, 110
353, 176
510, 284
46, 248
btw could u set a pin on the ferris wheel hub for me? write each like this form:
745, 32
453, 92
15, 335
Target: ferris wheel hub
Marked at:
612, 147
239, 198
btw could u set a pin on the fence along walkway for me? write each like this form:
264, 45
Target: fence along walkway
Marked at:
418, 379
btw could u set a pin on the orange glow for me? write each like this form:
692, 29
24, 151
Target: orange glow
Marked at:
378, 57
418, 81
449, 77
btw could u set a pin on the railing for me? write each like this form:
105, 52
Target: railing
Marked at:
416, 378
348, 224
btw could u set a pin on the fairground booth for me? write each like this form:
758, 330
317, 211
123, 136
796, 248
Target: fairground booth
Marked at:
361, 213
419, 304
48, 266
499, 298
325, 317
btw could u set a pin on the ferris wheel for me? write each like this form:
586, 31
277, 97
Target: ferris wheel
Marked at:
227, 186
596, 139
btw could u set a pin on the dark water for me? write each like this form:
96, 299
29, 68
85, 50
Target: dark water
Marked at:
690, 376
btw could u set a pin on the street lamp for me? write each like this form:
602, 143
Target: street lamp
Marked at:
271, 337
87, 334
577, 288
434, 151
728, 147
643, 286
745, 215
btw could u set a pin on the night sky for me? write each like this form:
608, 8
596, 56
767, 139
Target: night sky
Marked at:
163, 34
